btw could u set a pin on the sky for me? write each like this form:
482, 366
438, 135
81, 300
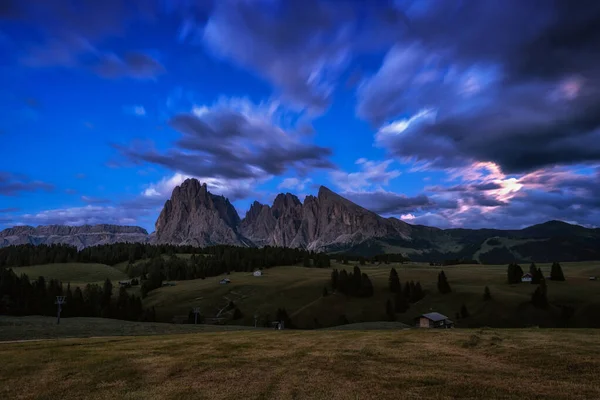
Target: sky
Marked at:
448, 113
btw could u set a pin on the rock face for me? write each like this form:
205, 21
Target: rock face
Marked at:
194, 216
78, 236
326, 222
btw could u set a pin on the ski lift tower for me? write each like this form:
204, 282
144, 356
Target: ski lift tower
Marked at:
60, 300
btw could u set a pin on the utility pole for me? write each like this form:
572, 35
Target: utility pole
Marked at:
196, 312
60, 300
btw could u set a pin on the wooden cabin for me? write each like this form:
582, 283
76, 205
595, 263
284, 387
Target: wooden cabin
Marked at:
433, 320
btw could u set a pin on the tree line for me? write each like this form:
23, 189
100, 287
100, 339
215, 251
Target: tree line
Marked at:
112, 254
20, 296
355, 283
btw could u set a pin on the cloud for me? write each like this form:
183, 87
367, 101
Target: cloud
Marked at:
294, 183
234, 189
372, 173
94, 200
73, 33
139, 111
233, 139
9, 210
486, 88
15, 184
133, 65
388, 203
80, 216
486, 197
301, 47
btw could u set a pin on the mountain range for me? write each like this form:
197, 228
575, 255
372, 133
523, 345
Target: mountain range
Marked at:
326, 222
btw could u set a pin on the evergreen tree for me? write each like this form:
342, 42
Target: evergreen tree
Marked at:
406, 291
487, 296
532, 270
306, 261
443, 285
356, 281
237, 314
401, 303
417, 292
556, 273
514, 273
464, 313
394, 281
334, 279
537, 277
366, 289
539, 298
389, 310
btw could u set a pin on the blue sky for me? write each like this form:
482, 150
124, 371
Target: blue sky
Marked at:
451, 114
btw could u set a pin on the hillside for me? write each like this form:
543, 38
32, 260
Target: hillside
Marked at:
300, 291
408, 364
327, 223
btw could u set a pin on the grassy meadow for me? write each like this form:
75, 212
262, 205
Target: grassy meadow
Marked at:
324, 364
300, 289
78, 273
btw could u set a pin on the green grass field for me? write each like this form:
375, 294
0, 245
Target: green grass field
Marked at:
78, 273
300, 289
406, 364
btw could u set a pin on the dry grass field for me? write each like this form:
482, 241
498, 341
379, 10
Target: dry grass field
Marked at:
406, 364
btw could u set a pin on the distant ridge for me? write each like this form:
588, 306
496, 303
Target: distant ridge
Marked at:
78, 236
326, 222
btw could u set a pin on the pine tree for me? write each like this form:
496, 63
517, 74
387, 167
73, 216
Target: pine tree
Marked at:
487, 296
539, 298
418, 292
394, 281
401, 303
464, 313
514, 273
334, 279
532, 270
306, 261
556, 273
237, 314
366, 289
389, 310
443, 285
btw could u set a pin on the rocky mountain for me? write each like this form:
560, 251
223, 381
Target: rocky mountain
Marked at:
326, 222
194, 216
78, 236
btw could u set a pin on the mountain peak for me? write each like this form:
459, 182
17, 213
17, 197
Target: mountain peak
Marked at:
324, 191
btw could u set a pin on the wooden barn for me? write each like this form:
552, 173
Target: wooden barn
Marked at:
433, 320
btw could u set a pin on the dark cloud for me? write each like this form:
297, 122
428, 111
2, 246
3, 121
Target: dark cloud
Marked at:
14, 184
511, 82
132, 65
300, 46
72, 32
387, 203
232, 141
